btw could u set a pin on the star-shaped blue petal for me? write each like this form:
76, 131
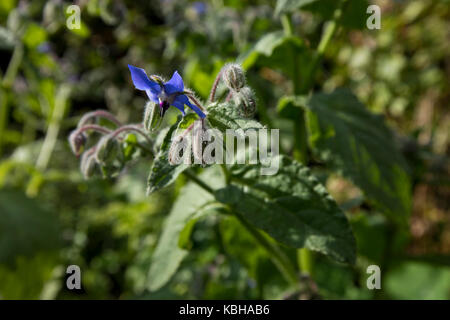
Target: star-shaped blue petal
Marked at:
172, 90
182, 100
175, 84
142, 82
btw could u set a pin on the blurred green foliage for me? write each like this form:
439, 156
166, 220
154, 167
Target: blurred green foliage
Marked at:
50, 217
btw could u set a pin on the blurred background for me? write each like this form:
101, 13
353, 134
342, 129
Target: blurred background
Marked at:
51, 217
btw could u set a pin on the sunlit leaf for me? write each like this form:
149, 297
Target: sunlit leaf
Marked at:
225, 116
279, 51
291, 206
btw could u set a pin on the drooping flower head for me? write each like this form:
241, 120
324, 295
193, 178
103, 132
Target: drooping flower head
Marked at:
165, 94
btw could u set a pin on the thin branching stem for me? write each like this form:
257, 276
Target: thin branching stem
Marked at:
131, 127
98, 114
214, 87
93, 127
192, 97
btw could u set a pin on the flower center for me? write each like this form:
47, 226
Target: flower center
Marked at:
163, 106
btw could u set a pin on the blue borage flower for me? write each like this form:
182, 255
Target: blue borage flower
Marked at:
170, 93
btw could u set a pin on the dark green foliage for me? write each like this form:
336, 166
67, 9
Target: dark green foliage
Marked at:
363, 167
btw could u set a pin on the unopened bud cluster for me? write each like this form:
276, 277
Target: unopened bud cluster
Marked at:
108, 149
234, 78
107, 154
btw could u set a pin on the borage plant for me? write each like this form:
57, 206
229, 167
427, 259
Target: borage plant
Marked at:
289, 207
281, 209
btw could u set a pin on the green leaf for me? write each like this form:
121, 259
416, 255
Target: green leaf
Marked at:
184, 241
25, 228
186, 122
371, 232
286, 6
357, 144
225, 116
278, 51
354, 14
287, 107
292, 207
162, 173
168, 255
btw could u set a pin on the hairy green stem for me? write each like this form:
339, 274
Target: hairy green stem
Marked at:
191, 96
98, 114
93, 127
212, 94
131, 127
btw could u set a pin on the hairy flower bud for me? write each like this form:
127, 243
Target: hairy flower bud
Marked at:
152, 116
245, 100
107, 149
77, 141
88, 164
234, 76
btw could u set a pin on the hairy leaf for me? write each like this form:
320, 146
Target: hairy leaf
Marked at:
291, 206
225, 116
